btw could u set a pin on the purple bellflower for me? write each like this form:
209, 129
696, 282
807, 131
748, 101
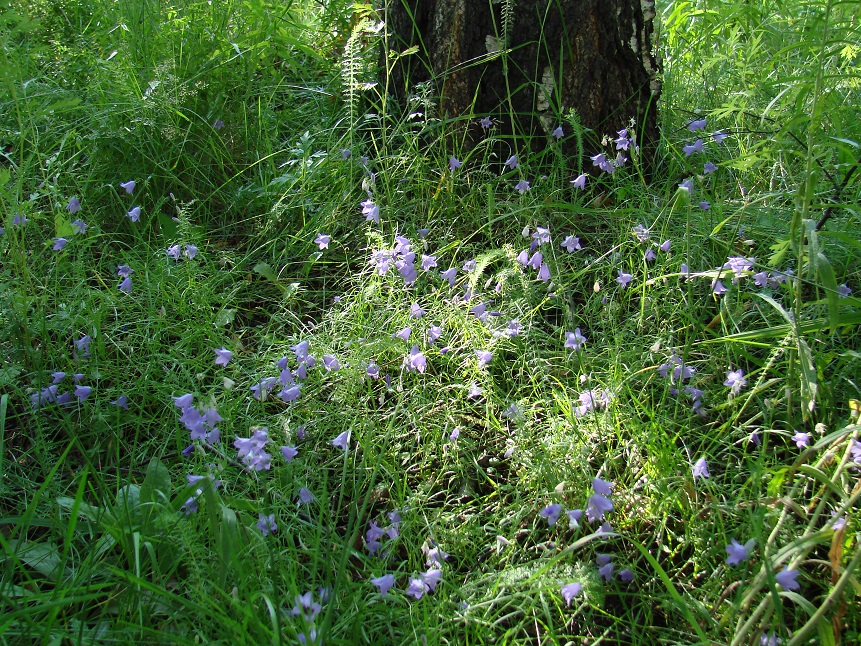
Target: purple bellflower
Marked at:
223, 356
787, 579
416, 360
551, 513
738, 552
700, 469
122, 401
266, 524
571, 243
342, 441
371, 211
735, 380
575, 340
384, 583
569, 591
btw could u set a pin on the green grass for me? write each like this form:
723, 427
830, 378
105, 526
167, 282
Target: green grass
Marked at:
97, 541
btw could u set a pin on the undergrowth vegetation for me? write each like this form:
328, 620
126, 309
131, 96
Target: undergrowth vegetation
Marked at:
281, 360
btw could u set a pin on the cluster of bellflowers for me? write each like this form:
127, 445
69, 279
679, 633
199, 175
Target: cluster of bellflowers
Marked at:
79, 227
304, 613
425, 582
252, 451
652, 249
592, 400
378, 539
54, 394
698, 147
624, 143
737, 268
403, 258
513, 162
288, 382
738, 553
199, 482
533, 257
51, 394
598, 506
201, 425
734, 269
177, 252
678, 372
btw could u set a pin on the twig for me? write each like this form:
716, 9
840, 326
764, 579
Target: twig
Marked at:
837, 191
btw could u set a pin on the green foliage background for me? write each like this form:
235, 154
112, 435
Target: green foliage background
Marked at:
232, 117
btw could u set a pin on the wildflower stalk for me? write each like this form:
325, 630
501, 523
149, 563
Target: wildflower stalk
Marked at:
830, 601
798, 550
796, 227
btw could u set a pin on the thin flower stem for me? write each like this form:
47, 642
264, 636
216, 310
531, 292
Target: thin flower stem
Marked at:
830, 601
741, 631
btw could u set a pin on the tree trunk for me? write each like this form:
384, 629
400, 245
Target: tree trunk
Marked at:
590, 56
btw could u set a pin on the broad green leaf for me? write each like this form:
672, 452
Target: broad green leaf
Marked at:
127, 509
225, 316
809, 386
265, 270
229, 540
167, 226
62, 227
43, 558
825, 631
776, 482
8, 375
291, 290
813, 250
157, 479
86, 510
829, 282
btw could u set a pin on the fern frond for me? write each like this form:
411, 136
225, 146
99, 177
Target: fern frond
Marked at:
508, 7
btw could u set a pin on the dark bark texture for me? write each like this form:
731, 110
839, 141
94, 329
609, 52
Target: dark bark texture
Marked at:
590, 56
